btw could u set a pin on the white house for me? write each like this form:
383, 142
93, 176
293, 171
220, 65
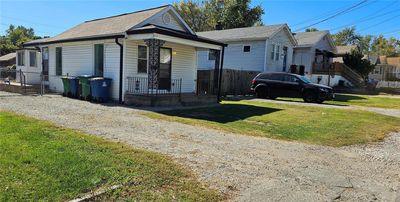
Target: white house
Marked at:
314, 56
262, 49
146, 52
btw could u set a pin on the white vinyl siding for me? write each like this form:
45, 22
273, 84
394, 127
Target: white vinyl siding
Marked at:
275, 64
235, 58
78, 59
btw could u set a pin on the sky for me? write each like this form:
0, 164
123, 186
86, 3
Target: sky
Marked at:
51, 17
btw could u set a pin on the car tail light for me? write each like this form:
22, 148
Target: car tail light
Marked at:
253, 81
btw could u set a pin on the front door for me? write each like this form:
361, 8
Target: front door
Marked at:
164, 76
285, 50
45, 63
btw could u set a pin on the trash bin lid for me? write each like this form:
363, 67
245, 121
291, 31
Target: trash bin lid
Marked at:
86, 76
99, 78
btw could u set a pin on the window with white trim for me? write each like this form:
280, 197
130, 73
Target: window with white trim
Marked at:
277, 52
273, 52
32, 59
21, 58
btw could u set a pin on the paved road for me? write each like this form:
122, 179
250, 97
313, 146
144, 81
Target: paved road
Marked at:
246, 168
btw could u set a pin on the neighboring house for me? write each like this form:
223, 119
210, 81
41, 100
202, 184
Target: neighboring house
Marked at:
260, 49
386, 69
146, 52
7, 60
315, 50
315, 54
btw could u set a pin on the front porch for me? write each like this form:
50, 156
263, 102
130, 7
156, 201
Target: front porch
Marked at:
160, 69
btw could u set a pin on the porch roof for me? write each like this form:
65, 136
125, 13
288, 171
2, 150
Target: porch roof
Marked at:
173, 36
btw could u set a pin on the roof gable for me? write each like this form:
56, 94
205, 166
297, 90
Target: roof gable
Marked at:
288, 33
310, 39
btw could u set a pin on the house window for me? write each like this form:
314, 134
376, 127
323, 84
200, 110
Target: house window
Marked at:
32, 59
277, 52
246, 49
58, 61
212, 55
98, 59
142, 59
21, 58
273, 52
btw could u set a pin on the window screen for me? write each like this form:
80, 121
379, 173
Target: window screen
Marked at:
142, 59
58, 61
98, 60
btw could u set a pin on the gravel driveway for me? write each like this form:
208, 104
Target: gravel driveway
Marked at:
246, 168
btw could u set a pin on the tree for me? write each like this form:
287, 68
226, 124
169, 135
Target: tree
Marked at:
365, 44
194, 14
206, 15
312, 29
238, 13
355, 61
346, 37
15, 37
382, 46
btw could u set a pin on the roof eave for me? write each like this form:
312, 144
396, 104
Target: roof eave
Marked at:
88, 38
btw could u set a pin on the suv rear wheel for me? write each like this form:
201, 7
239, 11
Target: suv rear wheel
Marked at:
261, 92
309, 97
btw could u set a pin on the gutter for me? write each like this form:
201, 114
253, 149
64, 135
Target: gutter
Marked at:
90, 38
220, 75
121, 65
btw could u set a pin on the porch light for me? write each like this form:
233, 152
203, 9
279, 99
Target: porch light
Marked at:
173, 52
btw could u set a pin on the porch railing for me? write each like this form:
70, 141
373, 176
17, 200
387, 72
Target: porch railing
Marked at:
140, 86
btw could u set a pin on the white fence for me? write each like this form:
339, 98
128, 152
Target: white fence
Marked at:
388, 84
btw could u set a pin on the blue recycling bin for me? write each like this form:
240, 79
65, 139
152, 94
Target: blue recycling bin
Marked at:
73, 87
100, 89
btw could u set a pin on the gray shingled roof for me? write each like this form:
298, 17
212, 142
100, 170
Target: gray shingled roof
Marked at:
8, 57
248, 33
309, 38
345, 49
109, 26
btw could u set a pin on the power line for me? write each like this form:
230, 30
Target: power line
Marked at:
381, 22
321, 16
368, 18
335, 15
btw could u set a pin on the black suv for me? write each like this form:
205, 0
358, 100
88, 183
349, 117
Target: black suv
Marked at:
273, 85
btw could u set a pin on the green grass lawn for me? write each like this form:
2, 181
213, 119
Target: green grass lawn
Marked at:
360, 100
39, 161
324, 126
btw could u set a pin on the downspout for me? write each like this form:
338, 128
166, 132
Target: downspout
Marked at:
220, 74
121, 65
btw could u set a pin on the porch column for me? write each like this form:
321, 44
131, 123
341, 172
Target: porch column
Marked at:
154, 61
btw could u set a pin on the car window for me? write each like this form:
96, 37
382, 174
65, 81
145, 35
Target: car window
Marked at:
264, 76
290, 78
277, 77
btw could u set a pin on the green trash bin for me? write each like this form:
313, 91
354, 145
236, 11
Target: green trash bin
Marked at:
84, 85
65, 81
